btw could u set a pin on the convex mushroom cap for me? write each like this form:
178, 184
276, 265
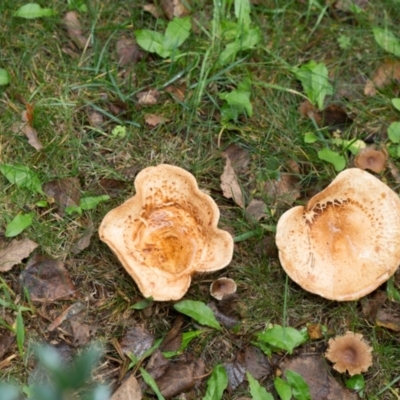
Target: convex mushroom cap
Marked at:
349, 353
166, 233
372, 159
222, 287
346, 241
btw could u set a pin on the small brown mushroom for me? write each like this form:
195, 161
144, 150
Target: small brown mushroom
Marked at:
349, 353
167, 232
222, 287
372, 159
346, 241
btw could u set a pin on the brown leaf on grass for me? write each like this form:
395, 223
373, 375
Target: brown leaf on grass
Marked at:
66, 192
128, 51
129, 390
27, 128
239, 157
383, 76
256, 210
177, 91
153, 120
174, 8
257, 363
314, 331
173, 340
389, 319
15, 252
148, 97
285, 190
157, 364
68, 313
84, 241
230, 184
137, 341
371, 305
153, 10
6, 340
82, 332
96, 118
314, 371
74, 29
47, 280
111, 187
236, 371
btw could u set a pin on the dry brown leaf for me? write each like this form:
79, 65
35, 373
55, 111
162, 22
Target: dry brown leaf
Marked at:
236, 371
74, 29
153, 120
173, 340
96, 119
148, 97
82, 332
15, 252
230, 184
314, 371
84, 241
256, 210
153, 10
128, 51
174, 8
284, 190
177, 91
383, 76
6, 340
137, 340
47, 280
314, 331
257, 363
29, 131
239, 157
371, 305
129, 390
388, 319
68, 313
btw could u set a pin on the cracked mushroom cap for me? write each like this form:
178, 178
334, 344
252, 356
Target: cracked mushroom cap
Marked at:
166, 233
346, 241
349, 353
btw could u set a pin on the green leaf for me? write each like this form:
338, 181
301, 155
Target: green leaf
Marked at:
392, 293
187, 337
216, 384
140, 305
41, 203
242, 13
73, 209
199, 312
33, 10
344, 42
20, 332
151, 41
387, 40
300, 389
356, 382
283, 388
396, 103
19, 224
338, 161
88, 203
286, 338
249, 39
4, 77
178, 30
354, 146
310, 137
22, 177
394, 132
152, 383
314, 78
256, 390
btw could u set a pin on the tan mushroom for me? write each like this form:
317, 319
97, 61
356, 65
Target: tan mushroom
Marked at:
222, 287
349, 353
166, 233
372, 159
346, 241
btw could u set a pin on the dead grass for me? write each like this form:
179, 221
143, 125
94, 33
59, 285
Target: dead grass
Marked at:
65, 88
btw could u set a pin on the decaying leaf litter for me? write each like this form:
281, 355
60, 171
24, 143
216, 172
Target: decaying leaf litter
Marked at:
98, 106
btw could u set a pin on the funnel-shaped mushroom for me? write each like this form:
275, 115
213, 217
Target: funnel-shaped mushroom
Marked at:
346, 241
166, 233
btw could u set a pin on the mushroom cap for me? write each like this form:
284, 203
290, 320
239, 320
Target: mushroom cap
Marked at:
222, 287
349, 353
372, 159
346, 241
166, 233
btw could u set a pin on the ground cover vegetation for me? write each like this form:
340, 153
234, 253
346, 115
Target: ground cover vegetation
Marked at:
264, 102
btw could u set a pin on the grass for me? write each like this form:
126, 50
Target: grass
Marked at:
64, 89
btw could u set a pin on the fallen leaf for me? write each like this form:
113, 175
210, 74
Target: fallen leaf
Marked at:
74, 29
314, 331
6, 340
157, 364
174, 8
128, 51
383, 76
256, 210
239, 157
173, 340
111, 187
225, 310
46, 280
27, 128
153, 120
153, 10
15, 252
321, 384
371, 305
257, 363
66, 192
82, 332
84, 241
230, 185
68, 313
136, 341
177, 91
285, 190
236, 371
96, 118
129, 390
148, 97
388, 319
